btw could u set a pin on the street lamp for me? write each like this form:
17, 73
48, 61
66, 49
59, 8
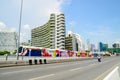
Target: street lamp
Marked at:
19, 29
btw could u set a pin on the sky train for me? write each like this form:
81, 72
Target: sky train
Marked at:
46, 52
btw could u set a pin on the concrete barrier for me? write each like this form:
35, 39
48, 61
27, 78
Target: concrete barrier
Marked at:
30, 62
114, 75
45, 61
66, 59
41, 60
13, 63
35, 61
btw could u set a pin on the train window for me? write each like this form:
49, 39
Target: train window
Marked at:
20, 49
36, 53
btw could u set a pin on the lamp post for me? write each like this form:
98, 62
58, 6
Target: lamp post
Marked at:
19, 29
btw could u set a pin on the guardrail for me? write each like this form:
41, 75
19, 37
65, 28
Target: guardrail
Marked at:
114, 75
12, 60
26, 58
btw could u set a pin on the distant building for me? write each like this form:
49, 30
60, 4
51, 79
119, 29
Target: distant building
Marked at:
73, 41
88, 44
8, 41
103, 47
50, 35
116, 45
68, 42
100, 46
92, 47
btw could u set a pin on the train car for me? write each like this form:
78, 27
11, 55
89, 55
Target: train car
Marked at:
83, 54
63, 53
46, 52
30, 51
51, 52
77, 54
70, 53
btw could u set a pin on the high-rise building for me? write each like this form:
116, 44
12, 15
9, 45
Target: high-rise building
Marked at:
8, 41
73, 41
50, 35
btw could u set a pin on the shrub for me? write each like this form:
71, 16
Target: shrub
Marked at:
4, 52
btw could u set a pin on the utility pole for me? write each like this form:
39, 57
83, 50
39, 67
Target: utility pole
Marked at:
19, 29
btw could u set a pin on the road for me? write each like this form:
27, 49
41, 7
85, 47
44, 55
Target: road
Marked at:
78, 70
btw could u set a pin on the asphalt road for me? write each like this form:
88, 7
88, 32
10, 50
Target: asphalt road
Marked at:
79, 70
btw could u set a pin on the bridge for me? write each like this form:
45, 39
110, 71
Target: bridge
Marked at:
75, 70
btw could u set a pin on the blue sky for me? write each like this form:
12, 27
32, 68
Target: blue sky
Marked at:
96, 20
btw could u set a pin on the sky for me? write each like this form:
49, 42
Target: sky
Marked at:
95, 20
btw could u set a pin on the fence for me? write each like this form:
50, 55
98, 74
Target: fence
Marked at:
114, 75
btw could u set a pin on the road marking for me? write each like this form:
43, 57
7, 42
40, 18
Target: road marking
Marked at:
106, 72
75, 69
41, 77
87, 66
114, 74
82, 67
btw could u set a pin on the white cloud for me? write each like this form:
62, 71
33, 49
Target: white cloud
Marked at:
26, 26
2, 25
13, 29
22, 37
25, 33
37, 12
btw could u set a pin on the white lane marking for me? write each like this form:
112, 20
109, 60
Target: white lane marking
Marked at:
114, 74
75, 69
50, 67
12, 72
41, 77
82, 67
106, 72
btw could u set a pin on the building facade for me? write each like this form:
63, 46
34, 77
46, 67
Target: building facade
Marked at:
68, 42
103, 47
8, 41
50, 35
92, 47
116, 45
73, 41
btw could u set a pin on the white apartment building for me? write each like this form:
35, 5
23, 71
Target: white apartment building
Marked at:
8, 41
73, 41
50, 35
